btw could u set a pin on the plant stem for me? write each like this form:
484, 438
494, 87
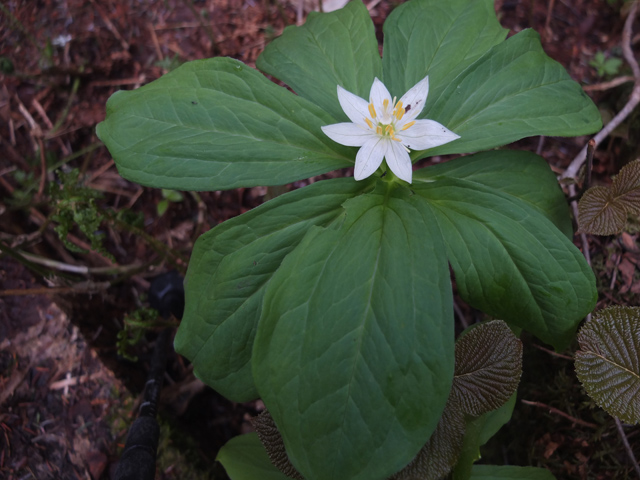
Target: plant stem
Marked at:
65, 111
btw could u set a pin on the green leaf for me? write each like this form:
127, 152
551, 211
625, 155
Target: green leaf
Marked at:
608, 362
162, 206
494, 472
436, 38
172, 195
510, 261
229, 270
519, 173
494, 420
330, 49
217, 124
244, 458
514, 91
488, 367
604, 210
354, 351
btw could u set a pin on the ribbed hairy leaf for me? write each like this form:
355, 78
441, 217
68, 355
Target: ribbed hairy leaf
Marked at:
487, 372
488, 367
604, 210
608, 362
274, 445
440, 454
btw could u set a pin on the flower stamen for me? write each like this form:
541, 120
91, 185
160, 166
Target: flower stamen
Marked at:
399, 111
409, 125
369, 123
372, 111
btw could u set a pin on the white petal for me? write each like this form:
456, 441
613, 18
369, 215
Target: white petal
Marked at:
426, 134
413, 101
370, 157
355, 107
378, 95
348, 134
399, 161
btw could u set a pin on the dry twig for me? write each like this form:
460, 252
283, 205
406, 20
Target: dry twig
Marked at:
610, 84
627, 447
561, 413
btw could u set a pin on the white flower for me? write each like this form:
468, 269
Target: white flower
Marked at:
387, 130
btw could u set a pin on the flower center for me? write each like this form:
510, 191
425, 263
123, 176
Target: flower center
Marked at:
385, 124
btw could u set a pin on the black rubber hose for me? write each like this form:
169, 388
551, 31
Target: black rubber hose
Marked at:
138, 460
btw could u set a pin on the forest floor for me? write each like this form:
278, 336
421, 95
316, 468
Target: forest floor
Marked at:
68, 387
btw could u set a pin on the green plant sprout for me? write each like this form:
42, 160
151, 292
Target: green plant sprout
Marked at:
168, 196
136, 325
333, 302
605, 66
75, 205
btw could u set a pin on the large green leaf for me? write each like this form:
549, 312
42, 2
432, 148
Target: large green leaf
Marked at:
519, 173
217, 124
244, 458
354, 350
228, 273
608, 362
338, 48
510, 261
436, 38
513, 91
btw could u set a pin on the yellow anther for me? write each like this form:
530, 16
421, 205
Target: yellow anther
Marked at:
397, 140
399, 112
408, 125
385, 104
372, 111
398, 106
389, 130
369, 123
379, 130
